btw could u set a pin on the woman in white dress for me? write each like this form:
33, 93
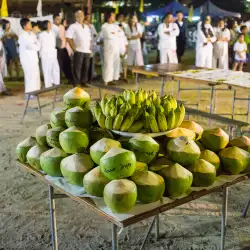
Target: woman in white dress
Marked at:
220, 56
48, 54
204, 44
134, 34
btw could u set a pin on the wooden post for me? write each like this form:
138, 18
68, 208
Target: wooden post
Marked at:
89, 6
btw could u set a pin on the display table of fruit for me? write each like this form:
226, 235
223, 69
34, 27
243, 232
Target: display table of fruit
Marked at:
82, 147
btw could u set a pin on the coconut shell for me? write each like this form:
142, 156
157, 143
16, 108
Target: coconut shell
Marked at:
191, 125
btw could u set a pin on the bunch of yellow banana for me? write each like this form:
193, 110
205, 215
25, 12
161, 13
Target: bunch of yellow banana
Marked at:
139, 111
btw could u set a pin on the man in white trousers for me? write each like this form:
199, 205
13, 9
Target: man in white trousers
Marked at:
168, 31
28, 48
111, 33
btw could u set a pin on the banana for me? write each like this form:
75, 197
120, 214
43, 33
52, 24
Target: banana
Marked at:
113, 112
179, 115
153, 124
109, 122
118, 122
167, 106
139, 114
127, 123
145, 95
138, 97
131, 97
125, 94
119, 101
146, 125
171, 119
157, 101
162, 122
109, 105
152, 110
103, 103
101, 120
160, 109
124, 109
153, 95
173, 102
136, 127
97, 110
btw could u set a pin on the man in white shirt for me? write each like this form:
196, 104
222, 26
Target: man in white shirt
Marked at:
168, 31
79, 38
62, 53
28, 48
111, 36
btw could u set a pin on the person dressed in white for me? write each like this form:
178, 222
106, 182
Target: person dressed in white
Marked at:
123, 53
134, 34
79, 38
100, 48
204, 44
48, 54
240, 50
220, 53
28, 48
168, 31
111, 33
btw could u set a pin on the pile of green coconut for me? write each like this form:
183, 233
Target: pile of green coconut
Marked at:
138, 169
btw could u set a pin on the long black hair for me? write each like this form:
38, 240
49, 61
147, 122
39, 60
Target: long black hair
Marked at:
130, 23
209, 32
45, 25
5, 24
107, 16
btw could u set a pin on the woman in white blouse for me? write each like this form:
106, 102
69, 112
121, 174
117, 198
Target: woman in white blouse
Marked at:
134, 33
220, 56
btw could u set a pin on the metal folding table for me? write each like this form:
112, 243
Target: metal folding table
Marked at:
133, 218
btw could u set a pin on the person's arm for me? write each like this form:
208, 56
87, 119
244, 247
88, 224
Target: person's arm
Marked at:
213, 38
161, 31
175, 31
69, 38
129, 34
227, 36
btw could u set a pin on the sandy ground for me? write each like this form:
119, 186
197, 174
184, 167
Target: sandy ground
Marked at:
24, 208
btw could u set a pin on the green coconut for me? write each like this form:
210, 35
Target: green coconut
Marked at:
177, 178
57, 118
76, 97
177, 132
75, 166
200, 145
191, 125
144, 147
94, 182
242, 142
74, 140
211, 157
79, 117
23, 148
150, 186
118, 163
141, 166
41, 133
97, 134
214, 139
204, 173
183, 151
235, 160
33, 156
52, 137
120, 195
101, 147
50, 161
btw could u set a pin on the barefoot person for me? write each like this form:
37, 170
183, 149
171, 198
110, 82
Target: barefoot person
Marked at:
28, 48
48, 53
240, 49
111, 33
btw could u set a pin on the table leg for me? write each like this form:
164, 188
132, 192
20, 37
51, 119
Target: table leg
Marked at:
114, 237
178, 90
54, 101
244, 213
157, 227
148, 232
39, 106
198, 96
53, 218
248, 108
100, 93
25, 109
137, 81
162, 86
224, 218
211, 100
233, 103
